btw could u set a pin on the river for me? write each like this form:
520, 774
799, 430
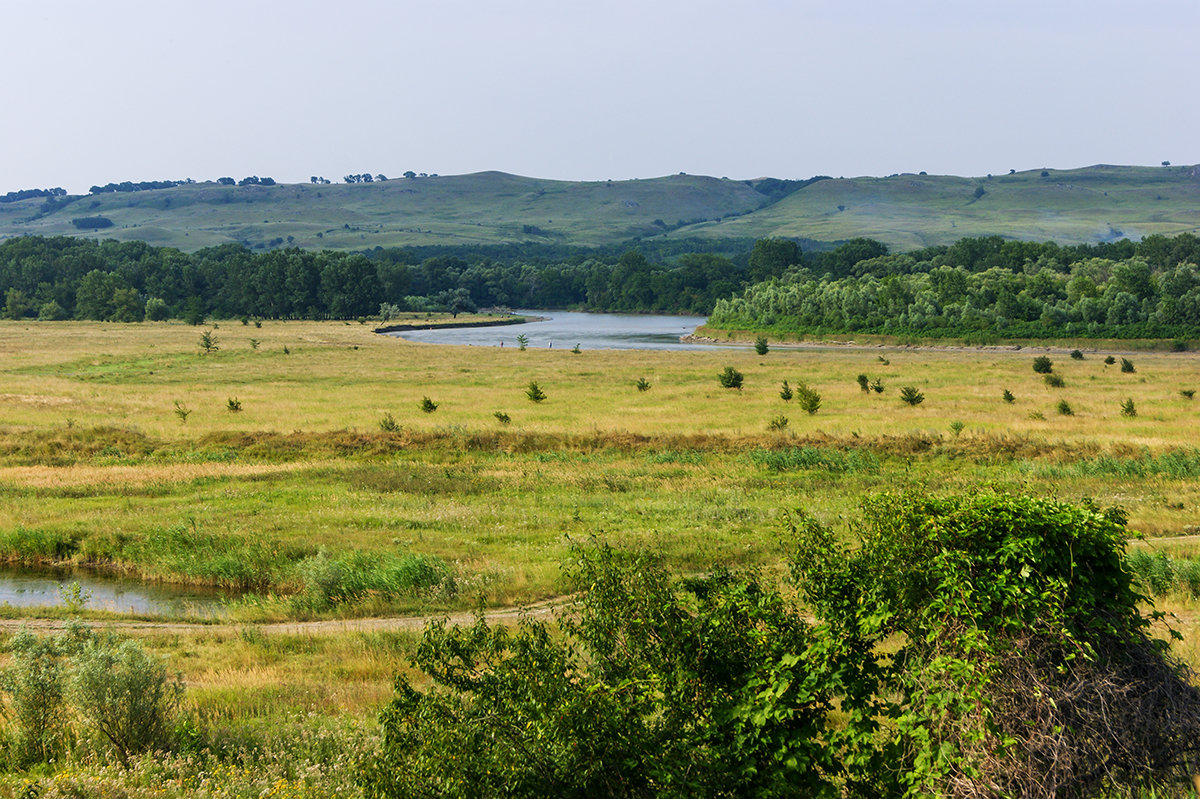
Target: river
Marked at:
565, 329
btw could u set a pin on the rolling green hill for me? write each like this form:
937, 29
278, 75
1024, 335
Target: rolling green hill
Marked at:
1093, 204
905, 211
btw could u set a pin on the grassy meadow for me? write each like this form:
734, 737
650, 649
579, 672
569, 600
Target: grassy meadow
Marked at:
119, 451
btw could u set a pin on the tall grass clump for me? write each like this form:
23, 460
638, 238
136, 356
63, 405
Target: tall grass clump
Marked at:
327, 581
824, 459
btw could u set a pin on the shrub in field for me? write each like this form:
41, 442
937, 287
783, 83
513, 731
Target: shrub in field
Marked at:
642, 384
778, 423
1064, 408
808, 399
911, 395
233, 405
877, 386
1180, 345
956, 428
1109, 360
33, 683
1007, 396
502, 417
182, 412
576, 350
1127, 366
1187, 393
1128, 408
388, 424
124, 694
1043, 365
963, 646
522, 342
760, 345
731, 378
428, 405
1076, 355
785, 392
864, 383
534, 392
1054, 381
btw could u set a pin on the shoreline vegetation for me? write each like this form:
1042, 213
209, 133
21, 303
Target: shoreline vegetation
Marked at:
425, 322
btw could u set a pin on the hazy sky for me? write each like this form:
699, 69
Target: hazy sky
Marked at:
167, 89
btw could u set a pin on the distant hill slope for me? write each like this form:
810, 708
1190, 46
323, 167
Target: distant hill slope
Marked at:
1088, 205
905, 211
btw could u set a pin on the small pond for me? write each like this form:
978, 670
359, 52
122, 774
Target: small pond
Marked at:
565, 329
26, 589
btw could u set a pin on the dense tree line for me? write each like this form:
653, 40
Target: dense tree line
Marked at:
28, 194
61, 278
985, 288
144, 185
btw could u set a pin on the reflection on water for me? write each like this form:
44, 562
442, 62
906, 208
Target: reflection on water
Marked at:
565, 329
27, 589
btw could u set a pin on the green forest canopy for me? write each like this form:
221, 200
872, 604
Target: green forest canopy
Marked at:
1004, 288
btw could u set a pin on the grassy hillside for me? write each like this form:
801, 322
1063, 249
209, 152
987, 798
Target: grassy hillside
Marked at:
484, 208
1089, 205
906, 211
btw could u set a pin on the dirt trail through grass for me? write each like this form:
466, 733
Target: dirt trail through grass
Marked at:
508, 615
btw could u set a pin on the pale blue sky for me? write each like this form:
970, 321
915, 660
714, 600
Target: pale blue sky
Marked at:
140, 90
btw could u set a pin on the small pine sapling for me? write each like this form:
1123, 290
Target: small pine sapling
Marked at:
1008, 396
1109, 360
864, 383
388, 424
642, 384
534, 392
760, 345
182, 411
1128, 408
522, 342
912, 395
1127, 366
576, 349
502, 417
956, 427
233, 405
785, 392
1054, 381
778, 423
808, 399
1064, 408
877, 386
428, 405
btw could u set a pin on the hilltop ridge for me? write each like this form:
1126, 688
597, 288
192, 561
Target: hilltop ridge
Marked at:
1085, 205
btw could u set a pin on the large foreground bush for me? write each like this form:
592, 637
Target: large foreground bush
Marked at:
966, 646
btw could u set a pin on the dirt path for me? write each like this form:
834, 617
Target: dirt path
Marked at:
509, 615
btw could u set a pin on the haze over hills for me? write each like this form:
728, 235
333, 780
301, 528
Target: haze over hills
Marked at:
906, 211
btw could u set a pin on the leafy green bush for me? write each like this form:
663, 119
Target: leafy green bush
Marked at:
642, 384
233, 405
778, 423
731, 378
1054, 381
1007, 396
854, 461
1042, 365
1128, 408
1127, 366
1109, 360
502, 417
34, 685
428, 405
981, 645
864, 383
124, 694
388, 424
1076, 355
1064, 408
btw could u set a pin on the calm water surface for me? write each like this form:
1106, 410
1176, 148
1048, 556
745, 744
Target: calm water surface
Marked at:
565, 329
28, 589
